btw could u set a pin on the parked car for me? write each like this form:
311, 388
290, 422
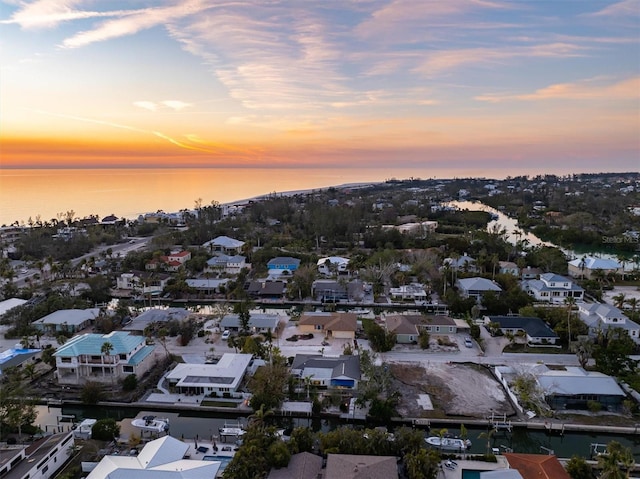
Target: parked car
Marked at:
225, 335
468, 343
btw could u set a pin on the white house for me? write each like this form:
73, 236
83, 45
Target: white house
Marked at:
223, 377
162, 458
413, 291
601, 317
333, 264
83, 358
143, 282
342, 372
461, 263
223, 263
41, 459
477, 287
552, 288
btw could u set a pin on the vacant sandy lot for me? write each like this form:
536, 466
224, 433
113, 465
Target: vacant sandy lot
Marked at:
455, 390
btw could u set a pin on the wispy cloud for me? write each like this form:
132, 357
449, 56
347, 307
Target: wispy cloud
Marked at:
175, 105
586, 90
147, 105
625, 8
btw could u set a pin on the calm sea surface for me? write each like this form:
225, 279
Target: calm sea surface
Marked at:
130, 192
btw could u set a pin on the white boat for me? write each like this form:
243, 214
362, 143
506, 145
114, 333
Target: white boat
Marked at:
151, 424
449, 443
83, 430
231, 430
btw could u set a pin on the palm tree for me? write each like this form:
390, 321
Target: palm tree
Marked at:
619, 300
615, 460
106, 348
570, 301
633, 303
489, 436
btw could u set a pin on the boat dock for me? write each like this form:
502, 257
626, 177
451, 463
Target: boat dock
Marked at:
499, 423
554, 428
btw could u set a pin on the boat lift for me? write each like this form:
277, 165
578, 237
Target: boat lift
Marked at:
498, 423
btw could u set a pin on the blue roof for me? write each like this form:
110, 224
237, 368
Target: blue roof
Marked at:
141, 355
122, 342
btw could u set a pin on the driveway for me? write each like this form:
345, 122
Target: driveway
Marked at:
493, 346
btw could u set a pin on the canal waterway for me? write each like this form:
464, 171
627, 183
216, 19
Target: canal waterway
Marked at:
205, 424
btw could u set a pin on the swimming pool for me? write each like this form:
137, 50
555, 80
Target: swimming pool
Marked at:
471, 474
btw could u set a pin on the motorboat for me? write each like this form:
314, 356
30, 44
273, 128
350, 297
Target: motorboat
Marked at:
151, 424
448, 443
83, 430
231, 430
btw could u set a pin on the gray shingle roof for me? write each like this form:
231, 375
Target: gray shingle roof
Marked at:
534, 327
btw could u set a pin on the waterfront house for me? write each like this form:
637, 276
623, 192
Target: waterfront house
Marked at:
16, 357
477, 287
258, 323
588, 267
10, 303
341, 372
552, 288
535, 466
602, 317
156, 316
575, 388
84, 358
67, 321
329, 291
224, 263
41, 459
357, 466
303, 465
267, 290
224, 244
162, 458
412, 292
207, 286
337, 325
536, 330
142, 282
283, 263
222, 378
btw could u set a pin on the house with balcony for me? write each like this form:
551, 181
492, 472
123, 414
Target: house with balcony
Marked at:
602, 317
40, 459
552, 288
224, 244
333, 265
477, 287
141, 283
224, 263
589, 266
411, 292
86, 358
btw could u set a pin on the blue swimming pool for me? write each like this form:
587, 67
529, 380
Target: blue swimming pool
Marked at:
471, 474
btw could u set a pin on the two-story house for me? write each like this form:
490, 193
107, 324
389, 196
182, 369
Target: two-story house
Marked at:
171, 262
142, 282
552, 288
601, 317
477, 287
223, 263
104, 358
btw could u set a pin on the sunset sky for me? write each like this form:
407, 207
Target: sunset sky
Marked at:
479, 83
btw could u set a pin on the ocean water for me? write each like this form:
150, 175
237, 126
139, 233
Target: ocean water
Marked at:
130, 192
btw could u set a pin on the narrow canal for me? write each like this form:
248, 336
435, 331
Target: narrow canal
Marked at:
205, 424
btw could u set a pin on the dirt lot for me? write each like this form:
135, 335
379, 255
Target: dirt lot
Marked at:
454, 389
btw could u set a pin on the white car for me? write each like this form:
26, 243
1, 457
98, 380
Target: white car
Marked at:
468, 343
225, 335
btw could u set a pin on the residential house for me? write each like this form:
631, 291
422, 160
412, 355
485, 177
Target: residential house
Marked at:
14, 357
536, 466
413, 292
223, 263
552, 288
207, 286
267, 290
10, 303
66, 321
535, 329
223, 378
142, 282
529, 272
422, 228
406, 327
601, 317
283, 263
337, 325
341, 372
329, 291
83, 358
477, 287
41, 459
172, 262
509, 267
302, 465
461, 263
440, 325
109, 220
224, 244
156, 316
333, 265
573, 388
357, 466
587, 267
258, 323
166, 457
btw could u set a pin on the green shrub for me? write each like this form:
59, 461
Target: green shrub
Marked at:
105, 430
130, 382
